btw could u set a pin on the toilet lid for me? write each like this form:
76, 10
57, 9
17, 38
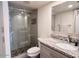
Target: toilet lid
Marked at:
33, 50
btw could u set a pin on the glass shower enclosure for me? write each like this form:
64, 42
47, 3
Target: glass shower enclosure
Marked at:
19, 31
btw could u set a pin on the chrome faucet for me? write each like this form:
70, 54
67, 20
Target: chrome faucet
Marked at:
69, 39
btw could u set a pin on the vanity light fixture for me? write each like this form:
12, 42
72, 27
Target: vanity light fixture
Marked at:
70, 6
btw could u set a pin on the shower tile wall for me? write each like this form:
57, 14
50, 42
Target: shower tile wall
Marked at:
33, 28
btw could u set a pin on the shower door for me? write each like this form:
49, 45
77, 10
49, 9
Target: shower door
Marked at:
19, 31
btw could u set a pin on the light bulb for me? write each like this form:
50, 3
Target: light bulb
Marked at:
70, 6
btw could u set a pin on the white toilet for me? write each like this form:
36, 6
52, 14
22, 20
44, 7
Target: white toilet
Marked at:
33, 52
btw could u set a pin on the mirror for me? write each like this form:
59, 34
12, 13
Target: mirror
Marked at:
65, 18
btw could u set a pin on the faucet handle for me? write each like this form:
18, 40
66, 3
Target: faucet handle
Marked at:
76, 42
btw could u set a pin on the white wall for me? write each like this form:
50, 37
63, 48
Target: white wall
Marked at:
44, 19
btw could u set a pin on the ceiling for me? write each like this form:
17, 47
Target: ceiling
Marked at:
64, 7
29, 4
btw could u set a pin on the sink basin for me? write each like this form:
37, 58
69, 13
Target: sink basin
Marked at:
66, 46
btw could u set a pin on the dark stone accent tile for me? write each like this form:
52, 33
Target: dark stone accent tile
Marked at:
18, 51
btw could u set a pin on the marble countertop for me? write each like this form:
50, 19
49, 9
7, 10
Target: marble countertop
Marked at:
52, 43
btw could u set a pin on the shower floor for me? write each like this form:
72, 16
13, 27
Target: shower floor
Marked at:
24, 55
19, 51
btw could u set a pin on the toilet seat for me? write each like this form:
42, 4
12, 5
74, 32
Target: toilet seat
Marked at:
34, 51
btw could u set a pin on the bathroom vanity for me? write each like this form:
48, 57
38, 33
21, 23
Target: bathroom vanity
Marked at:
48, 52
53, 48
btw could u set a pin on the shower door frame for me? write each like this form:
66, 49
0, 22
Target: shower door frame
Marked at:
5, 29
28, 24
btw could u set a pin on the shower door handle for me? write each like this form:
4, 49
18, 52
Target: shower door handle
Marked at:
3, 40
2, 29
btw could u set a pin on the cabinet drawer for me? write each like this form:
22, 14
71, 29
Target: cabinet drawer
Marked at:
44, 53
56, 54
47, 52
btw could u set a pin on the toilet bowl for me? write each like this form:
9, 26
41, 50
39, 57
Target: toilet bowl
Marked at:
33, 52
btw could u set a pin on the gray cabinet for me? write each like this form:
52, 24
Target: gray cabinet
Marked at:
47, 52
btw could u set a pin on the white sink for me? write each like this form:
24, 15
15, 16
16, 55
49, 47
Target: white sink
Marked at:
66, 46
